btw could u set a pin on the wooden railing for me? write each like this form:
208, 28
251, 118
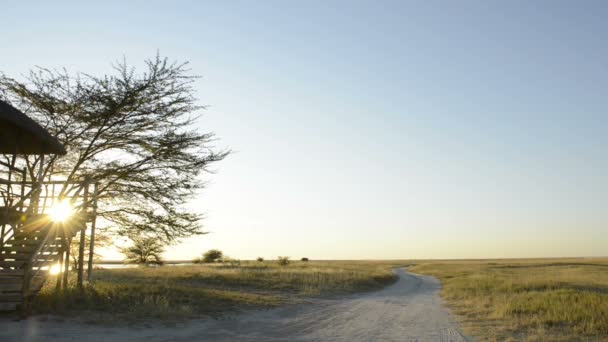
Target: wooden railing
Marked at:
42, 259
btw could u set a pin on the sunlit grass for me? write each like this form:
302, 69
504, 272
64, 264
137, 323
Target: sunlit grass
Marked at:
127, 301
178, 292
310, 278
533, 300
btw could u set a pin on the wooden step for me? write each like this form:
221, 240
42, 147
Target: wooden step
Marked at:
15, 256
6, 264
11, 273
33, 241
20, 242
32, 228
10, 279
45, 259
43, 262
7, 253
30, 248
29, 237
9, 306
35, 284
30, 234
34, 237
11, 287
10, 297
19, 249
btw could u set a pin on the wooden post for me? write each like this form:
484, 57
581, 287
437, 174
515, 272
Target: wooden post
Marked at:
92, 244
82, 235
81, 256
8, 202
22, 193
66, 268
58, 284
2, 232
26, 308
36, 194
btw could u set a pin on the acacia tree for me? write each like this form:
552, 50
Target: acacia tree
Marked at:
145, 250
212, 255
134, 133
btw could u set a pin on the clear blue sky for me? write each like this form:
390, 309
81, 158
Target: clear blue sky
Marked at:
376, 129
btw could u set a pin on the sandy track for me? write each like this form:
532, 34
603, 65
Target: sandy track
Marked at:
409, 310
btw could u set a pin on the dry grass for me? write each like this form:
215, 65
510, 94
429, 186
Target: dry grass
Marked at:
110, 301
535, 300
306, 278
178, 292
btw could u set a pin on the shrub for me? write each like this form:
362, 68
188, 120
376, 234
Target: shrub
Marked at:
231, 262
283, 260
260, 259
304, 259
212, 255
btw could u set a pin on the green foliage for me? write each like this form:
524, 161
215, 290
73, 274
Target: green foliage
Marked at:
260, 259
144, 250
212, 255
304, 259
283, 260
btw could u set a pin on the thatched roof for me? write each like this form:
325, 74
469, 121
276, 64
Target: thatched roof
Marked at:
22, 135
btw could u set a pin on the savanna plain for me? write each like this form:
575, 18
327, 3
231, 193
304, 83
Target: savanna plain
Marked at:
494, 300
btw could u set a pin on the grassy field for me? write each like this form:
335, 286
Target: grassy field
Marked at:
495, 300
181, 292
535, 300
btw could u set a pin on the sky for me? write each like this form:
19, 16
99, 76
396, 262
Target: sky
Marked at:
370, 129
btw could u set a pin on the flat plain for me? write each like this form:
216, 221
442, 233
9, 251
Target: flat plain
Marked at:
526, 299
174, 293
493, 300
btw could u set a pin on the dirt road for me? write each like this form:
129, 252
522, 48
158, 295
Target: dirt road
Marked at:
409, 310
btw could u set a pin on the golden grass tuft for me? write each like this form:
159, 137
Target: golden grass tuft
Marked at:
179, 292
535, 300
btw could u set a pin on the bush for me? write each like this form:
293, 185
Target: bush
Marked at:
231, 262
260, 259
212, 255
283, 260
304, 259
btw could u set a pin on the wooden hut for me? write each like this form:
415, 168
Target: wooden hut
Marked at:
21, 135
31, 243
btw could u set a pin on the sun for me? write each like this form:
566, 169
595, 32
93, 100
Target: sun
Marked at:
55, 269
61, 211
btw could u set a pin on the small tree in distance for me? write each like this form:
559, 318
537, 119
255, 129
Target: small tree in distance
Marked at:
212, 255
304, 259
145, 250
283, 260
260, 259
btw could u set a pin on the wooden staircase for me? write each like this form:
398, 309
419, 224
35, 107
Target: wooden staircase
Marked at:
26, 258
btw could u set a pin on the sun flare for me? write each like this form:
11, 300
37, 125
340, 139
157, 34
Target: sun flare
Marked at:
61, 211
55, 269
